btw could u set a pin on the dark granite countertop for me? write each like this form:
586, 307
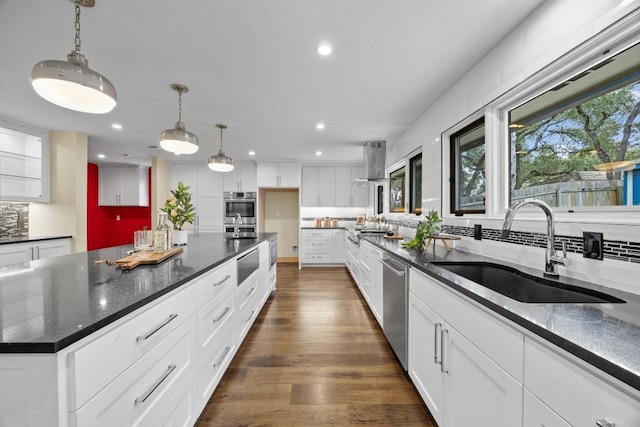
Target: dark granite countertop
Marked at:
606, 336
322, 228
4, 240
46, 305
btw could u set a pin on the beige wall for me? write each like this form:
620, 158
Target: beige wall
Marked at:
160, 175
66, 213
281, 215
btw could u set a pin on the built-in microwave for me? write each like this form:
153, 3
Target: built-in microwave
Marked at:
243, 203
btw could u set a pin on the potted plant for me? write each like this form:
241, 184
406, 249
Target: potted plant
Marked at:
431, 226
180, 211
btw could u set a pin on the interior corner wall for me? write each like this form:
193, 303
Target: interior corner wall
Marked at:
160, 186
281, 215
66, 213
551, 31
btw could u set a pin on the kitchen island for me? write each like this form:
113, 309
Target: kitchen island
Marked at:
533, 364
86, 343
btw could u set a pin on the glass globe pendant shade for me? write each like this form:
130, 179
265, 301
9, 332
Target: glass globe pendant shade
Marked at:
179, 140
72, 84
220, 162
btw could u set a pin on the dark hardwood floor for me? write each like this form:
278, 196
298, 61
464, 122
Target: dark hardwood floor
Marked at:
315, 356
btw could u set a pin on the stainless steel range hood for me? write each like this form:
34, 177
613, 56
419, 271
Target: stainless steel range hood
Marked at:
374, 162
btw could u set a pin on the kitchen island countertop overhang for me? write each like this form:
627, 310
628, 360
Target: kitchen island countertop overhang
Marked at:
56, 302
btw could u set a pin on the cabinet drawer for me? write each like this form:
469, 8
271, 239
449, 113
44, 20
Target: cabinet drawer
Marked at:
213, 365
216, 281
492, 336
214, 316
142, 391
182, 409
537, 414
95, 365
245, 292
575, 394
317, 244
316, 258
247, 316
308, 233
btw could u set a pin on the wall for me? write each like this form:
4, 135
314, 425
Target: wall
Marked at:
281, 215
66, 213
553, 30
160, 178
104, 227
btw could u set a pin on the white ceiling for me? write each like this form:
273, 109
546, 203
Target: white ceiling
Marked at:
252, 65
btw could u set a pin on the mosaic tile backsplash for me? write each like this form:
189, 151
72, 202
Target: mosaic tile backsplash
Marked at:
14, 219
613, 249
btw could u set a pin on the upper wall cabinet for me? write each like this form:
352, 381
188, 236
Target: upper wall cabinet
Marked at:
279, 175
243, 177
348, 194
24, 164
329, 186
123, 185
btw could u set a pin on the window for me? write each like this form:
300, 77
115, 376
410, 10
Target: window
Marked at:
396, 190
578, 144
468, 169
415, 184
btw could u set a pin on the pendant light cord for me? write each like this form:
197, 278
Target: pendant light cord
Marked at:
180, 106
221, 129
77, 38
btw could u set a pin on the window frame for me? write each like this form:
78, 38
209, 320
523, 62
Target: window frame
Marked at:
454, 163
413, 181
404, 162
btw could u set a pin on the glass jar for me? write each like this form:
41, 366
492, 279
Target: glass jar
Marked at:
162, 234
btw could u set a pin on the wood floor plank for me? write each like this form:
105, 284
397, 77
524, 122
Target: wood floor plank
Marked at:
315, 356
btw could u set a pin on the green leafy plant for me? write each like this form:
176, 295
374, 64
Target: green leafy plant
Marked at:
179, 208
425, 229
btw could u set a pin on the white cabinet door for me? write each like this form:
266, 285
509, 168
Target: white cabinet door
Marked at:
376, 285
210, 215
478, 392
425, 364
15, 253
267, 174
109, 185
289, 174
339, 249
231, 179
310, 196
248, 177
53, 248
359, 193
343, 186
209, 182
327, 186
537, 414
123, 185
187, 174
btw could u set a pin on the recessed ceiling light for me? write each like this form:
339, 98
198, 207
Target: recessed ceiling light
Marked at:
324, 49
320, 126
252, 153
318, 153
101, 156
117, 126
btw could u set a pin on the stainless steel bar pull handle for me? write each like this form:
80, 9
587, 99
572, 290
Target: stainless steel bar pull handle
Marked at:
250, 316
606, 422
227, 277
155, 385
436, 350
250, 292
224, 313
444, 332
396, 271
219, 362
156, 329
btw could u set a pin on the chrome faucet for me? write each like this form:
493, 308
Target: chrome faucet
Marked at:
551, 259
236, 225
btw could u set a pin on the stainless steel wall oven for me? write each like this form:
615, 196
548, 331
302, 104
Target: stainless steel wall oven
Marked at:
240, 203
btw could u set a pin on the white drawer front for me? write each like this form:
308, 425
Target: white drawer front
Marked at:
182, 410
213, 365
502, 344
247, 316
576, 395
137, 396
216, 281
317, 258
307, 233
317, 244
537, 414
95, 365
248, 289
215, 316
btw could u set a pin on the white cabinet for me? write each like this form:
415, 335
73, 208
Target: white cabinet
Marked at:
243, 178
348, 194
573, 393
12, 253
24, 164
371, 273
123, 185
316, 246
274, 174
339, 251
206, 187
537, 414
466, 365
333, 186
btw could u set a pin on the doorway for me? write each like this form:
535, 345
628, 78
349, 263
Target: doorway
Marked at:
279, 212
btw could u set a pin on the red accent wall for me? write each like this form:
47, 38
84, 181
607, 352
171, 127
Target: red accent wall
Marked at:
103, 229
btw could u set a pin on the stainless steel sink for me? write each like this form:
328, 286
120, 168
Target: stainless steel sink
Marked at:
523, 287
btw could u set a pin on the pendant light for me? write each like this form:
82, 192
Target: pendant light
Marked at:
220, 162
72, 84
178, 140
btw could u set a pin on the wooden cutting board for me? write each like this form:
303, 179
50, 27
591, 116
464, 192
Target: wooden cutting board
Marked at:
134, 260
394, 237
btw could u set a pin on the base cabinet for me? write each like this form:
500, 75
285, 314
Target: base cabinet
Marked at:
13, 253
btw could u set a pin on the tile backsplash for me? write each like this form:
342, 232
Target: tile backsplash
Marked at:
14, 219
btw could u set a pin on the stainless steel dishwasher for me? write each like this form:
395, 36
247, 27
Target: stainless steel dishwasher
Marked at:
395, 300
